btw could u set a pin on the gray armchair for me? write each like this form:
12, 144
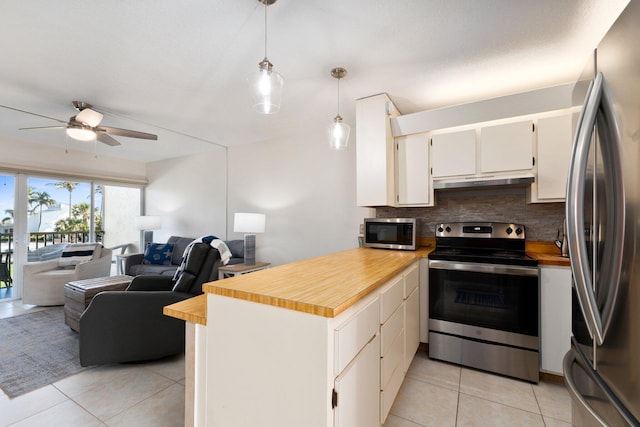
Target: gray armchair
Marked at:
127, 326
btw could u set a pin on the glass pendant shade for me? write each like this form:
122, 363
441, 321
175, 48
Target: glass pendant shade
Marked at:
338, 131
265, 83
266, 87
339, 134
81, 134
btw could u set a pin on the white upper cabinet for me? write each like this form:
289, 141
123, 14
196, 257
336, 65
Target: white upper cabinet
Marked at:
375, 147
506, 148
554, 142
453, 154
412, 168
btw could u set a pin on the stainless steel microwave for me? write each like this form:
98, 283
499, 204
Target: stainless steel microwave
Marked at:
390, 233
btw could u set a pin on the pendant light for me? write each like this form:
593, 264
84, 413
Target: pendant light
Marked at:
338, 131
265, 83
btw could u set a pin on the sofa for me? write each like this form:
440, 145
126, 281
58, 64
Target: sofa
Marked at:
134, 265
129, 326
43, 281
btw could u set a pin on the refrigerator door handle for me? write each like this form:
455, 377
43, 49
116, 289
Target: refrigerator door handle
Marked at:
567, 362
575, 209
615, 203
597, 106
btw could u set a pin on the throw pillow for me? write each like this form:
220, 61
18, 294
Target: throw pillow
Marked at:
158, 253
76, 253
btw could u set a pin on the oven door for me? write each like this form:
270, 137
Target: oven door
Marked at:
487, 296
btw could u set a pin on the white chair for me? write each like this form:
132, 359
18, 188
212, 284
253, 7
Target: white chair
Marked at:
43, 281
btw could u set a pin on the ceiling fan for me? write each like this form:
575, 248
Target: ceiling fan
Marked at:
85, 126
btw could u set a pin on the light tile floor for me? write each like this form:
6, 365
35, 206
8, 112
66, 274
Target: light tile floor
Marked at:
441, 394
152, 394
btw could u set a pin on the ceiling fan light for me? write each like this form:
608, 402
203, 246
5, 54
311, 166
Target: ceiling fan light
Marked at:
81, 134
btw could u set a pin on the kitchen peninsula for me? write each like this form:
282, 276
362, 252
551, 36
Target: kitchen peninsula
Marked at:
270, 347
283, 346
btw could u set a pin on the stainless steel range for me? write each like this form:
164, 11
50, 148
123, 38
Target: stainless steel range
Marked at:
484, 299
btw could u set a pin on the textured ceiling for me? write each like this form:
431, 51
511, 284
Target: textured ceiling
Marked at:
178, 69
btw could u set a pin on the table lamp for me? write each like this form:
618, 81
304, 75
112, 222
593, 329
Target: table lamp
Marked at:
148, 223
249, 223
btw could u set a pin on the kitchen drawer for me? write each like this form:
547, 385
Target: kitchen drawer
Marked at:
388, 395
355, 333
391, 297
390, 330
392, 362
411, 279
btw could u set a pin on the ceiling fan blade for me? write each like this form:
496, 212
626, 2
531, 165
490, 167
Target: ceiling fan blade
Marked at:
33, 114
128, 133
89, 117
106, 139
44, 127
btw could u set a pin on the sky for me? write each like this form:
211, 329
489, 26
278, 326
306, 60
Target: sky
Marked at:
79, 194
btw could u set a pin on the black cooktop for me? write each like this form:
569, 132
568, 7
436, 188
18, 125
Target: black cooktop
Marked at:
482, 242
487, 257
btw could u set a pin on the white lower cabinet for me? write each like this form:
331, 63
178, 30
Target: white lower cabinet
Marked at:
400, 333
555, 317
357, 391
293, 368
411, 314
411, 327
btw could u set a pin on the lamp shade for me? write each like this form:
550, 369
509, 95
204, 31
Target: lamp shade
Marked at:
249, 222
148, 222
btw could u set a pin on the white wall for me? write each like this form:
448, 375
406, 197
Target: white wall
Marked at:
306, 190
190, 194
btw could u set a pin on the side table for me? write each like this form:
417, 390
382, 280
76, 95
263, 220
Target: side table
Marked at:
78, 295
238, 269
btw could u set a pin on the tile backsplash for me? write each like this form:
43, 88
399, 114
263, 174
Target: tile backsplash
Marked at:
541, 220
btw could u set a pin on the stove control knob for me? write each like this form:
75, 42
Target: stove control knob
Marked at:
440, 229
448, 229
509, 230
518, 231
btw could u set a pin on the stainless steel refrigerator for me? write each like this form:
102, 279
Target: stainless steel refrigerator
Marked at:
602, 369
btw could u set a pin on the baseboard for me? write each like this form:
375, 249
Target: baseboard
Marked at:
551, 378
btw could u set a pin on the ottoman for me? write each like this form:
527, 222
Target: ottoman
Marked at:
78, 295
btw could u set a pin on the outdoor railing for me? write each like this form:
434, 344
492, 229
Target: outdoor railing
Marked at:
45, 238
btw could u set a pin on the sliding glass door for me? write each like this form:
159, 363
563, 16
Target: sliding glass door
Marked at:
7, 197
43, 214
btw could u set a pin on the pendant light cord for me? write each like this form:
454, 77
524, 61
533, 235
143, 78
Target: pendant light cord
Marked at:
265, 29
338, 96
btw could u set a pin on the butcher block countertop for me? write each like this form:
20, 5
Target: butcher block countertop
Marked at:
547, 253
326, 285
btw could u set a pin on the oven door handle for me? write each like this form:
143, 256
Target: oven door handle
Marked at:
514, 270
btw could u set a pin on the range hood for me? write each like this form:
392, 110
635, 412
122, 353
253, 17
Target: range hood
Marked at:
489, 181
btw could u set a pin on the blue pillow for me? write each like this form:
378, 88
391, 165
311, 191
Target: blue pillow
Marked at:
158, 253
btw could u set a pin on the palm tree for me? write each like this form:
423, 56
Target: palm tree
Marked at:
31, 199
8, 219
69, 186
81, 211
42, 199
